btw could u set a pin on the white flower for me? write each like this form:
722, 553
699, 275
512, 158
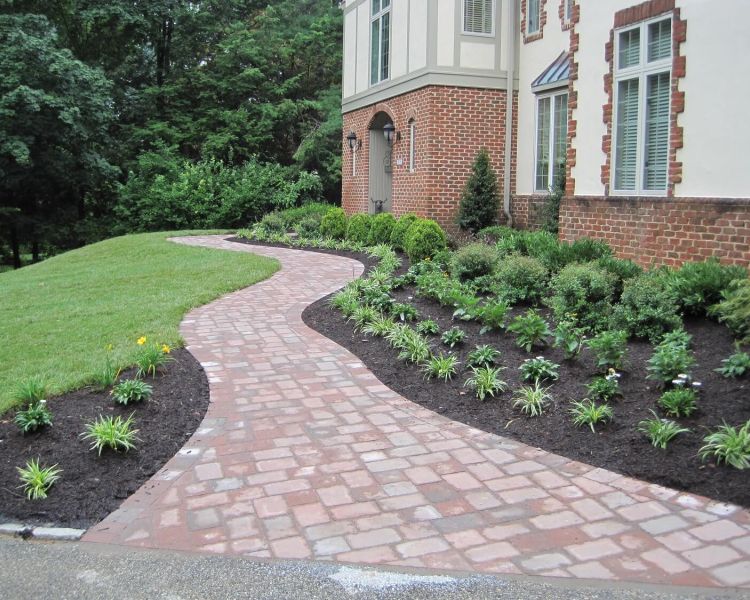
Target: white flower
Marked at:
697, 384
682, 376
677, 382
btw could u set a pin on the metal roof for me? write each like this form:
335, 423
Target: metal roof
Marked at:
555, 75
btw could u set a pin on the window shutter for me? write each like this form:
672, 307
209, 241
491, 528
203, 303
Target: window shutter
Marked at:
630, 48
627, 135
657, 132
659, 40
542, 144
478, 16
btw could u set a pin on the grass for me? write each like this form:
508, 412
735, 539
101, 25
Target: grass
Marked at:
57, 317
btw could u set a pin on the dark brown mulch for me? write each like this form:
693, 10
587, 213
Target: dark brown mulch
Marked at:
617, 446
91, 487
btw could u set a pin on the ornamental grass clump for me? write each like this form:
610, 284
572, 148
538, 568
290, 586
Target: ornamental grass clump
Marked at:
532, 400
539, 369
346, 301
151, 357
531, 330
362, 316
728, 445
609, 348
37, 480
588, 412
379, 326
31, 390
131, 391
660, 431
111, 432
483, 356
34, 417
440, 366
679, 402
486, 382
108, 373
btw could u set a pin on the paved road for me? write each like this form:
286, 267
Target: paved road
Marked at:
62, 571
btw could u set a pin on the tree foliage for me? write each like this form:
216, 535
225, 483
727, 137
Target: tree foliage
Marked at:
480, 199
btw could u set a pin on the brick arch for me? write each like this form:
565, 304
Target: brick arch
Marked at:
379, 108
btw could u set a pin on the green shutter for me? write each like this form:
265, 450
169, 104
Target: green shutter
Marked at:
561, 134
626, 135
657, 132
629, 49
660, 40
544, 115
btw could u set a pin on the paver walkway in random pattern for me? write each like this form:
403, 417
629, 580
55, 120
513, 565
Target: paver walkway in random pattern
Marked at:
304, 454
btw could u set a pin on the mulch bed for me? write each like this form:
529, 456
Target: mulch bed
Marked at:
91, 487
616, 446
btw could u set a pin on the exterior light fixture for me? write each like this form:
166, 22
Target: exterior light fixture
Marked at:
352, 139
389, 132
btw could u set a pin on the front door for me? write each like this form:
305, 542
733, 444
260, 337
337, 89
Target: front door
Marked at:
381, 172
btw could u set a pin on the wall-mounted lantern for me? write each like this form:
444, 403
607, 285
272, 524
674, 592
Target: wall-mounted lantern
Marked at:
353, 142
389, 131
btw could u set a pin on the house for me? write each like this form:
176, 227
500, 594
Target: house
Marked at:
644, 104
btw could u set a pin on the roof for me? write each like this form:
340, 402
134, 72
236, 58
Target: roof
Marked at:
556, 75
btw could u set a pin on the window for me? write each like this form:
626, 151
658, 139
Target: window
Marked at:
381, 41
532, 17
479, 17
568, 10
551, 138
643, 79
412, 146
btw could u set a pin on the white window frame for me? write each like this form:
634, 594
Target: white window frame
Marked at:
478, 33
642, 72
552, 94
412, 146
538, 18
378, 17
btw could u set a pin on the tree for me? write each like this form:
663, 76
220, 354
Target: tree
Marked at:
54, 117
480, 198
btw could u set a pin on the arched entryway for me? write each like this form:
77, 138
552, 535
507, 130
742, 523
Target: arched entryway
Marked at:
381, 166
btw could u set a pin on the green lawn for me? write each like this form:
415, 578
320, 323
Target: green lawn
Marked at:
58, 317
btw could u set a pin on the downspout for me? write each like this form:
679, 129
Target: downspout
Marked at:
511, 50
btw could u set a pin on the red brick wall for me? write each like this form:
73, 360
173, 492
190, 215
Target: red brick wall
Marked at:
662, 230
527, 211
452, 125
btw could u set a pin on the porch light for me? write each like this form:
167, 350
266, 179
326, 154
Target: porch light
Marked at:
389, 132
352, 139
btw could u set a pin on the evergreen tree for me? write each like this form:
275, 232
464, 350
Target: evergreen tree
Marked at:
480, 198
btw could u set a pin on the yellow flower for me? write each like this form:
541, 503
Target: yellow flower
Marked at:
165, 349
141, 340
110, 347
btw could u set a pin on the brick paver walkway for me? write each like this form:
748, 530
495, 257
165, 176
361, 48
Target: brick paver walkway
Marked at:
305, 455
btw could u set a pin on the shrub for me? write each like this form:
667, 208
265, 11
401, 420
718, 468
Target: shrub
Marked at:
698, 285
308, 227
483, 356
604, 388
621, 270
531, 330
486, 382
539, 369
333, 224
648, 307
588, 412
495, 233
314, 211
587, 250
583, 293
37, 480
423, 239
680, 402
480, 198
273, 223
660, 431
443, 367
111, 432
736, 365
532, 400
728, 445
358, 229
36, 416
453, 336
551, 208
398, 233
521, 278
474, 260
734, 309
381, 229
609, 348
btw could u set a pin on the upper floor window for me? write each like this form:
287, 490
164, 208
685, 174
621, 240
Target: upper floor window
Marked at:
380, 53
533, 16
568, 10
642, 80
479, 16
551, 139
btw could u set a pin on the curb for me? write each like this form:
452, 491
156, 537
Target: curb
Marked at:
58, 534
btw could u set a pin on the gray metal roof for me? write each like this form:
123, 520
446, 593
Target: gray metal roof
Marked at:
555, 75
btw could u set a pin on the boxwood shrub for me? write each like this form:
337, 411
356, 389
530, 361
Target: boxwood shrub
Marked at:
521, 278
474, 260
698, 285
381, 229
359, 228
583, 293
398, 234
333, 224
648, 307
423, 239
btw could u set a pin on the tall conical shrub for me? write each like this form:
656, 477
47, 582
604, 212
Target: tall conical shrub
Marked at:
480, 198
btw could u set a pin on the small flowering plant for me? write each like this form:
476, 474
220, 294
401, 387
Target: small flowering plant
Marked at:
151, 357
